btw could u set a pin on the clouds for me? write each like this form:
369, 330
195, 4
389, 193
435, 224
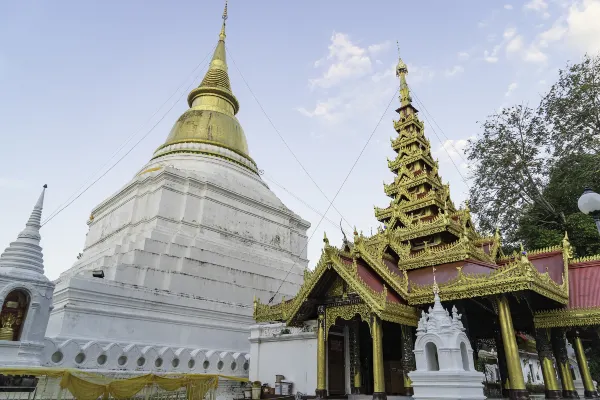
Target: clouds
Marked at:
511, 88
345, 60
583, 26
457, 69
538, 6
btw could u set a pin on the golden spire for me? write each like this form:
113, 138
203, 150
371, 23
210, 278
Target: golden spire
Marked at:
222, 34
211, 117
401, 72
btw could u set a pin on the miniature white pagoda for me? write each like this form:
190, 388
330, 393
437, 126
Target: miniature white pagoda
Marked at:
25, 296
444, 357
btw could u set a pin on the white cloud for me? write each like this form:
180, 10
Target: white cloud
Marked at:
509, 32
583, 26
379, 47
420, 74
534, 55
463, 55
491, 57
542, 82
457, 69
346, 59
536, 5
511, 88
515, 44
452, 150
555, 33
508, 7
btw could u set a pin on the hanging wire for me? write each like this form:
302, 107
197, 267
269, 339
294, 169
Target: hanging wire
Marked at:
72, 199
283, 140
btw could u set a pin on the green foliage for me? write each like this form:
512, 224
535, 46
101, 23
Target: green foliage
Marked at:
539, 228
510, 168
531, 166
572, 108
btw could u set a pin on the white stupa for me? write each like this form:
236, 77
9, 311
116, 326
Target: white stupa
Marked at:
173, 260
25, 296
444, 357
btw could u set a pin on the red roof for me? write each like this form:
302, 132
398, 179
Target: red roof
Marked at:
552, 262
584, 284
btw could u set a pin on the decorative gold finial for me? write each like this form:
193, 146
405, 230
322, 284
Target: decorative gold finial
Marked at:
436, 289
222, 34
325, 240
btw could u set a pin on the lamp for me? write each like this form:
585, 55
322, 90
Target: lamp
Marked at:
589, 203
98, 273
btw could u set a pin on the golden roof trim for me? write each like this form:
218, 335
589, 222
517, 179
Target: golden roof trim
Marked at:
567, 317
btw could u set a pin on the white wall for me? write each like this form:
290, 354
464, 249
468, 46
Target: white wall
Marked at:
293, 355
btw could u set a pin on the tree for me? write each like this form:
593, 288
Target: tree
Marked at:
572, 108
530, 166
539, 228
510, 169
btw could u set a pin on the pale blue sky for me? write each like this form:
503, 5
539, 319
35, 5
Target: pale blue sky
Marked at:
80, 77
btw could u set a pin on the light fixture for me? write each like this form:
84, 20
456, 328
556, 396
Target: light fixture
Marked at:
98, 273
589, 203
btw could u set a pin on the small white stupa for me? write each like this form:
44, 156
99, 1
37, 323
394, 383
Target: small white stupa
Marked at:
25, 296
444, 357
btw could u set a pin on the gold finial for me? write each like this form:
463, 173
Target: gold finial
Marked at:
222, 34
436, 288
401, 72
325, 240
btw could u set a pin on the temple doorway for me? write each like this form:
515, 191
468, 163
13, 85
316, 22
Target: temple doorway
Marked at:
336, 356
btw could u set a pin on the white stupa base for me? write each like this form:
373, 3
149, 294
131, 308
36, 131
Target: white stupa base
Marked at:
456, 385
17, 354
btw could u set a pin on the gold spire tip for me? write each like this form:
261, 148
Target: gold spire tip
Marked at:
222, 34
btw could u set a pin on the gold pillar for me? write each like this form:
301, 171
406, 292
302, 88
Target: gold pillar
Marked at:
584, 370
559, 347
378, 374
542, 341
321, 391
513, 364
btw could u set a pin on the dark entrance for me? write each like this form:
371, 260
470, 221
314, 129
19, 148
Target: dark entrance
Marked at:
337, 365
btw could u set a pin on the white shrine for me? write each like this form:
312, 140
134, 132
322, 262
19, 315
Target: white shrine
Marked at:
172, 261
444, 358
25, 296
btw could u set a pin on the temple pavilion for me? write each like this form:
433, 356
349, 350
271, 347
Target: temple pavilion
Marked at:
375, 287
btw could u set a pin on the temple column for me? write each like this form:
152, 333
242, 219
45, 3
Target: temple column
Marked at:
584, 370
559, 347
378, 374
517, 389
542, 341
504, 383
408, 358
321, 391
355, 356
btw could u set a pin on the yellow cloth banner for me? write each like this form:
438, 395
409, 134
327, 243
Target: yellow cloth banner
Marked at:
86, 385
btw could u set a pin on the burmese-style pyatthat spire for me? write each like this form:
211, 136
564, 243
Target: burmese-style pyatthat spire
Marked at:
211, 120
401, 72
25, 254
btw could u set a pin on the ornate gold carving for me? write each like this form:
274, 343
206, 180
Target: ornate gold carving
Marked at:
586, 259
567, 317
346, 312
337, 288
515, 276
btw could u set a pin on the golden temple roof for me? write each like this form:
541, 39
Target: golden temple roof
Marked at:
211, 117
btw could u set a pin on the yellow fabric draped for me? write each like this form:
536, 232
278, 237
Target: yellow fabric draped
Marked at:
91, 386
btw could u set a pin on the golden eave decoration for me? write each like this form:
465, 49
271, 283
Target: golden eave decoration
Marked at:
375, 302
567, 317
513, 277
